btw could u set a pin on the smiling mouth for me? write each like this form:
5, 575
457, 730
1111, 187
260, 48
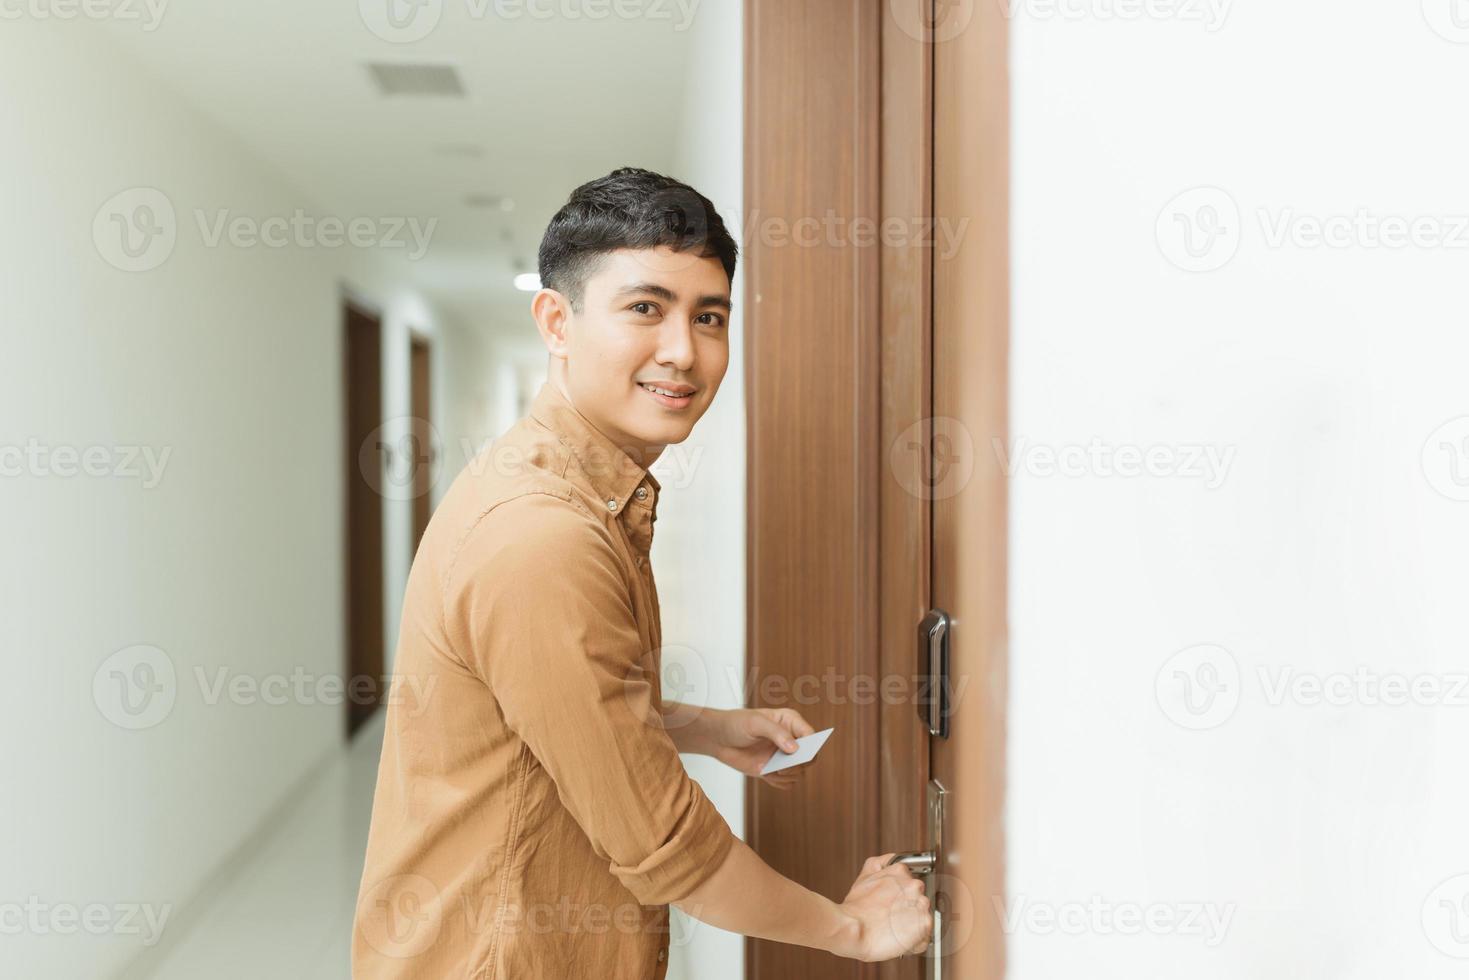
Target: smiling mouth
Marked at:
681, 396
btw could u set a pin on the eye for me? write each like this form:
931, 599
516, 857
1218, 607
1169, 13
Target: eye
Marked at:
713, 319
643, 309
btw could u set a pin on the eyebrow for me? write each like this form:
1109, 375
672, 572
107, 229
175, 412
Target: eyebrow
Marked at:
664, 293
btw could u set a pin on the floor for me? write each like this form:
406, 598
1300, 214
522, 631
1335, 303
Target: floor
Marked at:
286, 910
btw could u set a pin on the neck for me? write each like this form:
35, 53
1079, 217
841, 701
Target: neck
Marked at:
644, 456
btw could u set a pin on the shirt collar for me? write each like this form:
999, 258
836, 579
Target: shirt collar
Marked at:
614, 474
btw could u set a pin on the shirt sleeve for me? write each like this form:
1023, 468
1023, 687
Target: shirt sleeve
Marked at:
539, 608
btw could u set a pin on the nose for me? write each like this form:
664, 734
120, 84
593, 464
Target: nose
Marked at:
676, 343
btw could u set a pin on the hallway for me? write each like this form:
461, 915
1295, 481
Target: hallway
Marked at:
282, 905
192, 206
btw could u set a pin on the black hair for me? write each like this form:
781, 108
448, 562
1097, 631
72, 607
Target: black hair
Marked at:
628, 208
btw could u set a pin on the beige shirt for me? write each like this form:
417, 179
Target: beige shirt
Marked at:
532, 817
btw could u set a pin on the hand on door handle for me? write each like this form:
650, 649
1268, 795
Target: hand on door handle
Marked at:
918, 862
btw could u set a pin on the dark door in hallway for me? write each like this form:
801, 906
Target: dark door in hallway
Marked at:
424, 447
363, 460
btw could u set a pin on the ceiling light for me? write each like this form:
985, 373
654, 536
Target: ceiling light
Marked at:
396, 79
528, 282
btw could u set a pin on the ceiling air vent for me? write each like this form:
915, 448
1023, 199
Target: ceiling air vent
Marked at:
395, 79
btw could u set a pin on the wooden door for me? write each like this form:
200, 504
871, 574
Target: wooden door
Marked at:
811, 383
363, 411
875, 380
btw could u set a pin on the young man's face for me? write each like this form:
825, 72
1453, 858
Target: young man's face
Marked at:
649, 319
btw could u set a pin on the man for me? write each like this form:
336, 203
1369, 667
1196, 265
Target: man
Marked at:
532, 816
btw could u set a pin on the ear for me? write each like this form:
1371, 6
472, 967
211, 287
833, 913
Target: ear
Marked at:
552, 311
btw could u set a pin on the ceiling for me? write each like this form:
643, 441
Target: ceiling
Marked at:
554, 95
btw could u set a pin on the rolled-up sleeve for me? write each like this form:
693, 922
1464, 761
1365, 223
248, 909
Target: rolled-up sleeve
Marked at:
538, 606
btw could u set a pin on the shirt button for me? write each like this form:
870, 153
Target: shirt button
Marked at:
612, 505
662, 955
642, 493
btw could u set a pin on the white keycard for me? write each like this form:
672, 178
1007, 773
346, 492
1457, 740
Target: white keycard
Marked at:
806, 748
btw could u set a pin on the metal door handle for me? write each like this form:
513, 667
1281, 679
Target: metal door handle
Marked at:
918, 862
933, 672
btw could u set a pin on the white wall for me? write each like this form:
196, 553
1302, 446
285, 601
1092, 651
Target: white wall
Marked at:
699, 543
489, 362
229, 360
1322, 829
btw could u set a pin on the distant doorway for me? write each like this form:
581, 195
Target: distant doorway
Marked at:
425, 446
362, 377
